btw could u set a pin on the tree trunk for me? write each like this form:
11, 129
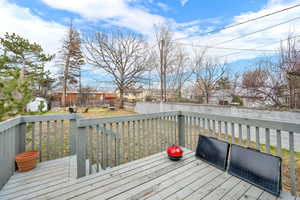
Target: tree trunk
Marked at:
207, 98
292, 96
162, 71
66, 72
121, 98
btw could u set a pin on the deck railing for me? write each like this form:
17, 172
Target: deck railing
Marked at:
52, 135
273, 137
107, 142
122, 139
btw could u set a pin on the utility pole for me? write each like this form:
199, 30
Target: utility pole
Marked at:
80, 94
162, 74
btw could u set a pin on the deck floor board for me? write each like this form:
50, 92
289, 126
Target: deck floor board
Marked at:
150, 178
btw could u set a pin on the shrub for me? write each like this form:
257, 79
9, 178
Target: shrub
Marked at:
236, 99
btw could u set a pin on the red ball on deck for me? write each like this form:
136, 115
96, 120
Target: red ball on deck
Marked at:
174, 152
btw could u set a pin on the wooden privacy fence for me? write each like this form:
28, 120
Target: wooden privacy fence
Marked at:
108, 142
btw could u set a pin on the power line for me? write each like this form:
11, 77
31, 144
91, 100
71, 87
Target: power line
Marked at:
227, 48
261, 30
265, 45
240, 23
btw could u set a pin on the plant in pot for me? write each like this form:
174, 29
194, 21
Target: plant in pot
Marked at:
26, 160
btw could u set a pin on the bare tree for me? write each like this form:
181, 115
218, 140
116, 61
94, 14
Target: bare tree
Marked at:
264, 83
181, 71
166, 49
208, 72
71, 60
255, 79
289, 64
122, 55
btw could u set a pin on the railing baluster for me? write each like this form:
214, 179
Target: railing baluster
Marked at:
97, 147
278, 138
81, 151
106, 146
232, 133
55, 138
123, 142
153, 135
48, 140
117, 153
169, 130
40, 141
208, 127
190, 132
194, 134
240, 134
181, 130
186, 131
165, 132
134, 139
267, 140
203, 125
128, 141
214, 128
90, 149
200, 127
175, 130
248, 136
139, 138
157, 134
33, 136
121, 146
142, 130
226, 131
257, 138
220, 128
110, 145
62, 131
292, 164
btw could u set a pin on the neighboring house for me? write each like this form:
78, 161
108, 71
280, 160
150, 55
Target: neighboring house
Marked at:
37, 104
134, 94
217, 97
140, 94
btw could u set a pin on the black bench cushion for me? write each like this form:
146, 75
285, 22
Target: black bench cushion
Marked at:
257, 168
213, 151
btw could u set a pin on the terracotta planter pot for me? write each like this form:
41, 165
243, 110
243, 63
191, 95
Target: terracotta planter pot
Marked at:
26, 160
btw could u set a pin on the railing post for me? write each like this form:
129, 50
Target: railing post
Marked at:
21, 134
81, 151
72, 136
181, 130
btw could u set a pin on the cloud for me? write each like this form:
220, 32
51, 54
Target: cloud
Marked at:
115, 12
265, 37
183, 2
19, 20
16, 19
163, 6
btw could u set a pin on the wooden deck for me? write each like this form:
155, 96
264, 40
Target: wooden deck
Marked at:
154, 177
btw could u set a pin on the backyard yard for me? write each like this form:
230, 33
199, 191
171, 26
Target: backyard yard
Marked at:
93, 112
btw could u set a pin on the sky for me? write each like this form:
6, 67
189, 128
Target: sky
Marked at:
44, 21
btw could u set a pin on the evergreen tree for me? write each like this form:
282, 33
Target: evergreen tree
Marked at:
71, 60
21, 72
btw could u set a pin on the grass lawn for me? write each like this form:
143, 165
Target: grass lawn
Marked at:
95, 112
